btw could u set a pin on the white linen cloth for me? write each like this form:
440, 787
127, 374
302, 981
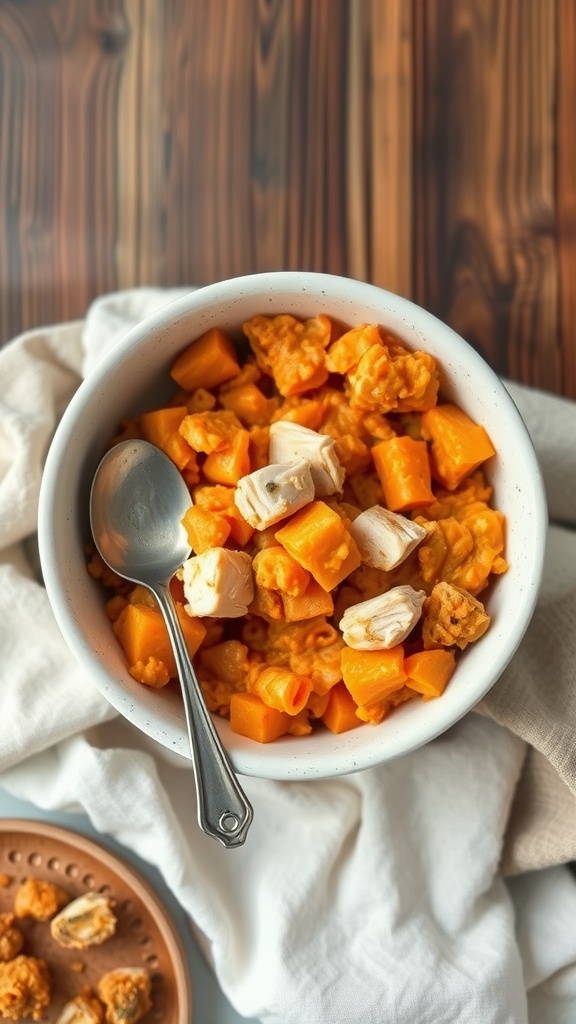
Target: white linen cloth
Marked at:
368, 899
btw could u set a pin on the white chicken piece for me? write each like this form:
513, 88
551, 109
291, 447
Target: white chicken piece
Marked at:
268, 495
383, 538
86, 921
218, 583
125, 992
81, 1011
384, 621
290, 442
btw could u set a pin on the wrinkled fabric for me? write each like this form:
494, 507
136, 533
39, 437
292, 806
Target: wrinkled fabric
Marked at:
375, 897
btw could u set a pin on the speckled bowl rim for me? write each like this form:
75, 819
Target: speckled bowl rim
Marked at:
151, 345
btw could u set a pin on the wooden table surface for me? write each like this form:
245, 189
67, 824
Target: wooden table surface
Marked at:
427, 146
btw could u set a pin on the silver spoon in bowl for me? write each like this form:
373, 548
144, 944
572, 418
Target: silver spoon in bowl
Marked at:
137, 501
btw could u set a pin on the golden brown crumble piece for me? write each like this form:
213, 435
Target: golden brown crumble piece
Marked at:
452, 617
24, 988
39, 899
11, 938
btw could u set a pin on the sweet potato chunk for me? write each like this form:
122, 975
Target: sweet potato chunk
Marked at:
404, 471
208, 361
372, 676
459, 445
429, 671
251, 717
143, 635
161, 427
318, 539
340, 714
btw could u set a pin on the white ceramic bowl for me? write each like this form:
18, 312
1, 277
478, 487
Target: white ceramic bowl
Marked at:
133, 376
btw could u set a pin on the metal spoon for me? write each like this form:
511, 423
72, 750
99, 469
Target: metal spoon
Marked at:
137, 502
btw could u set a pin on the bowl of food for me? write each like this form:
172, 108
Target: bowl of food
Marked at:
366, 526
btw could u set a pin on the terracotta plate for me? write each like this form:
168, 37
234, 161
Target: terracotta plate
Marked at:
144, 937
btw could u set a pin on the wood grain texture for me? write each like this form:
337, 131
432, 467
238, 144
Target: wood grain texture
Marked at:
486, 243
425, 145
379, 151
566, 190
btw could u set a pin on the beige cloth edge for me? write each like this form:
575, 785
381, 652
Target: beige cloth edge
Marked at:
536, 696
541, 829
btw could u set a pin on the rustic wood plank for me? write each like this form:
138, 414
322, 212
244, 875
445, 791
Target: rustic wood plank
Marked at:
92, 42
268, 132
486, 257
414, 143
136, 150
207, 217
60, 67
566, 190
252, 140
390, 188
27, 240
320, 222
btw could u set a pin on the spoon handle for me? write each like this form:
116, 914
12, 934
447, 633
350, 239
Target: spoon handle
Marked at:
223, 809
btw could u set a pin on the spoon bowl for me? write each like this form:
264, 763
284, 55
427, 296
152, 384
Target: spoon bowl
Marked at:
137, 505
137, 502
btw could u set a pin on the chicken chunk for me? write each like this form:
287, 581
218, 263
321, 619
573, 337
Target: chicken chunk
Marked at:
290, 442
88, 921
24, 988
125, 993
268, 495
383, 621
218, 583
83, 1009
384, 538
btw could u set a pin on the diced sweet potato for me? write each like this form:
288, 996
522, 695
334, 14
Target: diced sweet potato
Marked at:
281, 688
458, 444
208, 361
429, 671
205, 529
345, 353
275, 569
312, 602
403, 468
250, 405
142, 632
372, 676
210, 431
251, 717
228, 465
161, 427
318, 539
340, 714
